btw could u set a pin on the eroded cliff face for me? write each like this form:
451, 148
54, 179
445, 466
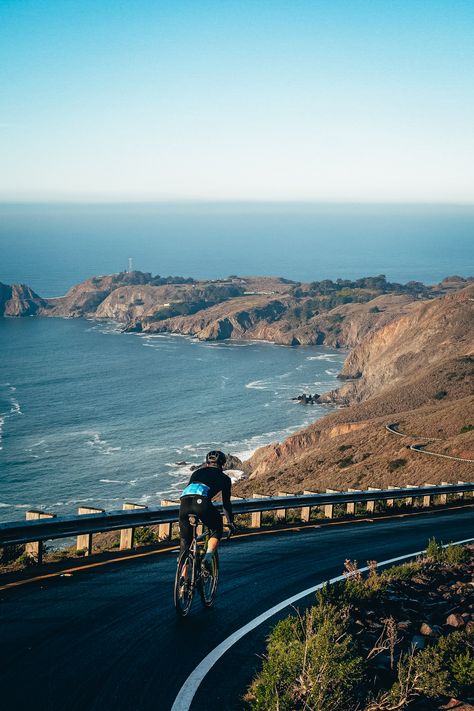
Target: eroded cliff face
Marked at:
20, 300
417, 370
432, 332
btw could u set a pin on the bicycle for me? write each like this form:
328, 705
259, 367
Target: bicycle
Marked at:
191, 573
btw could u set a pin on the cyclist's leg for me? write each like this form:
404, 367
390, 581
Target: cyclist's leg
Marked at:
185, 529
213, 520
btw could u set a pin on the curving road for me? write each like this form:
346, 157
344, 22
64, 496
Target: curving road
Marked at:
421, 448
108, 638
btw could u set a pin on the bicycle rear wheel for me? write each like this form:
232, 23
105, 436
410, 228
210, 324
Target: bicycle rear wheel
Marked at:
208, 582
183, 584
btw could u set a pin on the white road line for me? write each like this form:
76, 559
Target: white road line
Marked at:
187, 692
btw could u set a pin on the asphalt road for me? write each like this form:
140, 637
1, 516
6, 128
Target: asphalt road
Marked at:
108, 637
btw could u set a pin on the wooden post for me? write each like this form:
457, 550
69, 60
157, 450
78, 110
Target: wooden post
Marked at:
306, 510
391, 502
280, 514
127, 534
409, 499
256, 520
35, 548
84, 541
443, 498
428, 500
350, 507
329, 508
165, 529
371, 504
462, 494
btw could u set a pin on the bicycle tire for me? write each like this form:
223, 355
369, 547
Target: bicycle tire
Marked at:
208, 582
183, 584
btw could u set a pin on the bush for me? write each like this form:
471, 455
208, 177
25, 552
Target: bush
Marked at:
455, 555
434, 550
451, 554
396, 464
440, 394
346, 462
145, 536
466, 428
311, 664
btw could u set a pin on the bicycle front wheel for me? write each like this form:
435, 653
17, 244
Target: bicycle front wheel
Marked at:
183, 584
208, 581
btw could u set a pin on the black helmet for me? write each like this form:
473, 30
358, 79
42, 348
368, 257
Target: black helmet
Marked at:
216, 458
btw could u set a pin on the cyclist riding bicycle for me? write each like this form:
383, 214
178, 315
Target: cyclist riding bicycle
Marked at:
204, 484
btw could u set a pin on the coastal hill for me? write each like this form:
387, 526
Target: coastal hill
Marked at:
337, 313
411, 364
416, 373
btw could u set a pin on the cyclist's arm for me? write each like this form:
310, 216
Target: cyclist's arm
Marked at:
226, 502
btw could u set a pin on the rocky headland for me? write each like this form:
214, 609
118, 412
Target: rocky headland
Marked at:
411, 363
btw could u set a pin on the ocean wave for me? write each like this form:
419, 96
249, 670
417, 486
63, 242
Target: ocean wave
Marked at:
257, 385
112, 481
324, 356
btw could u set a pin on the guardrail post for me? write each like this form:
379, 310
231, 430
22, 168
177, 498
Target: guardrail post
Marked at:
306, 510
256, 519
329, 508
84, 541
443, 498
371, 504
350, 507
35, 548
428, 499
462, 494
409, 499
165, 529
127, 535
391, 502
281, 513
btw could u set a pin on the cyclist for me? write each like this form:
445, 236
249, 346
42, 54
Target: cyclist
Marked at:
204, 484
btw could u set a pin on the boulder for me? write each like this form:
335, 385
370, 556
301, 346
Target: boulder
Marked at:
455, 620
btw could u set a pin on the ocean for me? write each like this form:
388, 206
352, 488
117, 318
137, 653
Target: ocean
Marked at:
89, 415
52, 247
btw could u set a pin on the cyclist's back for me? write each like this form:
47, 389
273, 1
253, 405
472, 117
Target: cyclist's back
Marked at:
204, 484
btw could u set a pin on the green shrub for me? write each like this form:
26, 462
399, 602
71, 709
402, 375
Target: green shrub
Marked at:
346, 461
311, 663
145, 536
434, 550
451, 554
396, 464
466, 428
25, 559
440, 395
455, 555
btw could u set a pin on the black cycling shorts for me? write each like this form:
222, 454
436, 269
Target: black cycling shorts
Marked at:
202, 507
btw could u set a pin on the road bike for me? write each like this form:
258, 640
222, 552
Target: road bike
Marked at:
192, 573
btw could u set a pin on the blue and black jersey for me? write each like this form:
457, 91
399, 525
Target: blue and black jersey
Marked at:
213, 481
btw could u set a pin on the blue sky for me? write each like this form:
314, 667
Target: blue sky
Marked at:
321, 100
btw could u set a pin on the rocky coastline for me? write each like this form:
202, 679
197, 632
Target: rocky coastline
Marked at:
411, 360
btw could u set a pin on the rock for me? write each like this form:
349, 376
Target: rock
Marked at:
456, 705
181, 464
426, 630
455, 620
404, 624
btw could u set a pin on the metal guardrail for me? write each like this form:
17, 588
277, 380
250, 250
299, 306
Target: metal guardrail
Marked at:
22, 532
